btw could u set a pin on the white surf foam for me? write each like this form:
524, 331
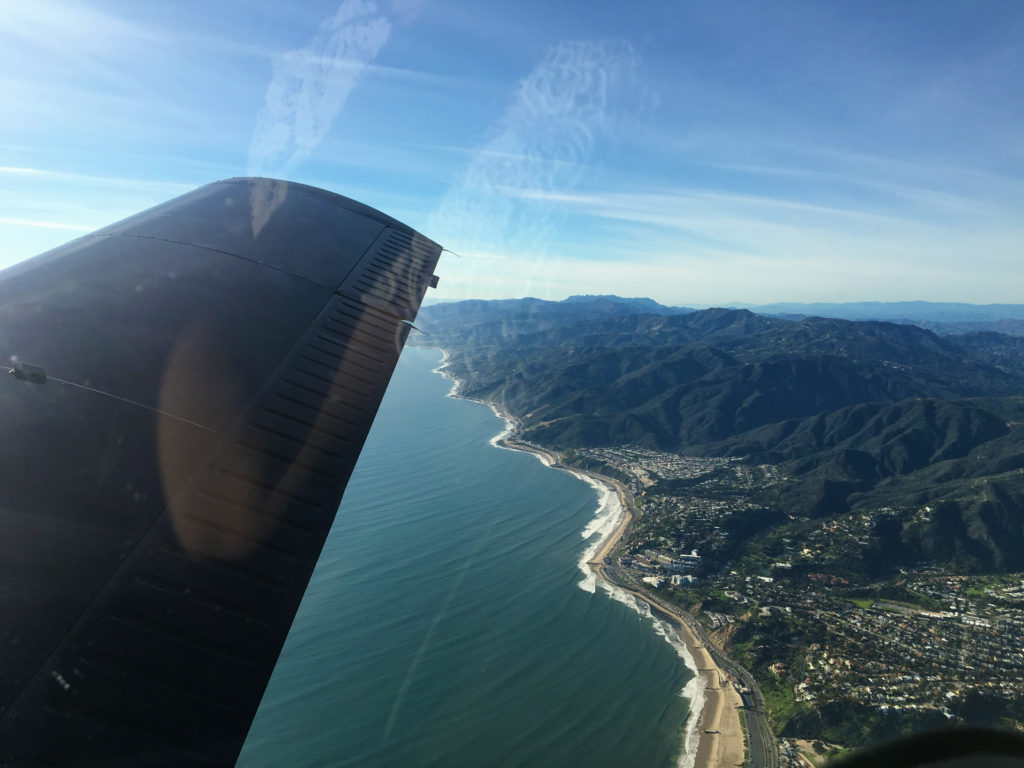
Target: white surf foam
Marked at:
606, 520
496, 440
442, 369
694, 688
455, 391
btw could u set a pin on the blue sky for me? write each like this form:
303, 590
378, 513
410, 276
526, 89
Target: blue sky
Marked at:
696, 152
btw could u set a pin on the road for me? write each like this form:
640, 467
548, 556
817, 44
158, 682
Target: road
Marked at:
762, 747
763, 752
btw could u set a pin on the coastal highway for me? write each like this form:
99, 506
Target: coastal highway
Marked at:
761, 744
760, 741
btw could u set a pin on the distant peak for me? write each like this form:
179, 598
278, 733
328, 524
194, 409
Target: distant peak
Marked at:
723, 312
611, 297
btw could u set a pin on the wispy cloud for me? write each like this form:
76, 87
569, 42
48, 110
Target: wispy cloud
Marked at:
543, 142
310, 86
14, 170
129, 183
311, 59
681, 206
709, 246
47, 225
43, 208
828, 270
65, 27
78, 41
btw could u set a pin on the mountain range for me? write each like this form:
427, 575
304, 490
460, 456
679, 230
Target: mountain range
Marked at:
856, 414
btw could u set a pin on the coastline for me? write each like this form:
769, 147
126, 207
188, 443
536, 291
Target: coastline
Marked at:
713, 736
713, 733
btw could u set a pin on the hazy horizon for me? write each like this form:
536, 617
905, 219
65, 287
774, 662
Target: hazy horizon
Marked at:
430, 300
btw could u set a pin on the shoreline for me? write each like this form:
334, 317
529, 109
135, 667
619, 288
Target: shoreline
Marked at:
713, 725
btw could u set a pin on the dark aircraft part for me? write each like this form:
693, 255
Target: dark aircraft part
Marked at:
28, 372
212, 367
952, 748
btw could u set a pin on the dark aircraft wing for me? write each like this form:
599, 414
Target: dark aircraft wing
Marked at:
189, 391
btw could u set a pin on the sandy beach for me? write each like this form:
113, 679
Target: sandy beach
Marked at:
720, 739
723, 746
719, 733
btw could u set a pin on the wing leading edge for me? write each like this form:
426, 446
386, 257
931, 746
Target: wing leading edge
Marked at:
192, 388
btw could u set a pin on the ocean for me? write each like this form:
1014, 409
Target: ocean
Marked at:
449, 623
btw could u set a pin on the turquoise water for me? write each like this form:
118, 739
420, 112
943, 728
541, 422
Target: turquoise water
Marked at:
444, 624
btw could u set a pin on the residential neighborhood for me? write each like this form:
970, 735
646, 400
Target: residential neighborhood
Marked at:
799, 607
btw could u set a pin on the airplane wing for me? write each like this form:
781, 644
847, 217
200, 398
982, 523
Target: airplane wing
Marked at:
189, 391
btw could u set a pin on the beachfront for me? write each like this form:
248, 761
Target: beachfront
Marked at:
717, 730
714, 725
